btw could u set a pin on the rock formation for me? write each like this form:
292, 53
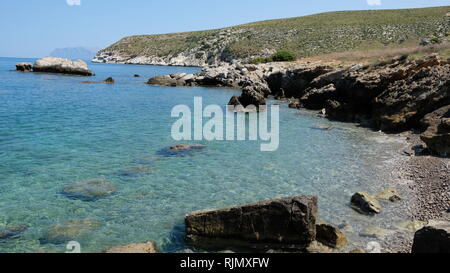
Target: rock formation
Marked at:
392, 96
365, 202
434, 238
280, 221
63, 66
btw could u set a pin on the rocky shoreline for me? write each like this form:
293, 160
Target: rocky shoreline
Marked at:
395, 96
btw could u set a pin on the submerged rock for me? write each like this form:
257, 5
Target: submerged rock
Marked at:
135, 171
64, 66
275, 222
68, 231
434, 238
11, 231
330, 236
412, 225
181, 149
324, 127
138, 248
389, 195
376, 233
24, 67
89, 190
365, 202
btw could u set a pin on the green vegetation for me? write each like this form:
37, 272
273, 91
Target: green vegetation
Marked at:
280, 56
303, 36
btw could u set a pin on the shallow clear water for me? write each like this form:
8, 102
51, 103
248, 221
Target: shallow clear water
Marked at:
55, 130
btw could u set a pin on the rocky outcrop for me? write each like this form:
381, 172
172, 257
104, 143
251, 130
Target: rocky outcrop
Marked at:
424, 88
24, 67
138, 248
330, 236
63, 66
437, 135
280, 221
315, 98
365, 202
434, 238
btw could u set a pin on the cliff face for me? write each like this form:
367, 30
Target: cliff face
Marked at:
305, 36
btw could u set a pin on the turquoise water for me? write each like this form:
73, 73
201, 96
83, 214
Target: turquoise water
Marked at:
55, 130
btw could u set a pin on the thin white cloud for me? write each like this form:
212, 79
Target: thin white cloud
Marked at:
73, 2
374, 2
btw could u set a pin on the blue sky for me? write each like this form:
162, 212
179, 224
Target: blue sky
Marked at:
33, 28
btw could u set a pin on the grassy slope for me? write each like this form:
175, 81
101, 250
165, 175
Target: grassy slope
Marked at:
306, 36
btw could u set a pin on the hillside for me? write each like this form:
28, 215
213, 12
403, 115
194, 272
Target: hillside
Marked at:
305, 36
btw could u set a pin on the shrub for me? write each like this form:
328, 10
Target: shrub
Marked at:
283, 56
436, 40
259, 60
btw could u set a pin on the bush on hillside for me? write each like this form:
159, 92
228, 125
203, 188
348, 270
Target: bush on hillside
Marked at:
283, 56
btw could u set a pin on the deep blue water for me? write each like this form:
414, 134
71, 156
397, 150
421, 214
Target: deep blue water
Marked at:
55, 130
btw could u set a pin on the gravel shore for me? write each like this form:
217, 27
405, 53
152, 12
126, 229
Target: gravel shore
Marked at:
429, 178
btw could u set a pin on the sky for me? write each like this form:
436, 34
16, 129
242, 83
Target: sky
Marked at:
34, 28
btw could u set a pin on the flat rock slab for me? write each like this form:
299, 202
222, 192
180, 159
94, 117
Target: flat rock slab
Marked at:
279, 221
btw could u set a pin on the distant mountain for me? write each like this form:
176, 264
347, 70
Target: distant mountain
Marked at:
72, 53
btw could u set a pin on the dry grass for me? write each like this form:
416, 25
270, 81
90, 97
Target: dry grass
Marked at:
377, 55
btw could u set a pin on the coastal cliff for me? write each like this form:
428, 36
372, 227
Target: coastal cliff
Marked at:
304, 36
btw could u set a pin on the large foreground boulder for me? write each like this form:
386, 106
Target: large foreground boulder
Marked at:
434, 238
280, 221
64, 66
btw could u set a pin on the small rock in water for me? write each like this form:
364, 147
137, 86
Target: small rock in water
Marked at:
324, 127
376, 232
358, 251
365, 202
412, 226
389, 195
89, 190
330, 236
68, 231
181, 149
24, 67
136, 76
138, 248
109, 80
135, 171
11, 231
